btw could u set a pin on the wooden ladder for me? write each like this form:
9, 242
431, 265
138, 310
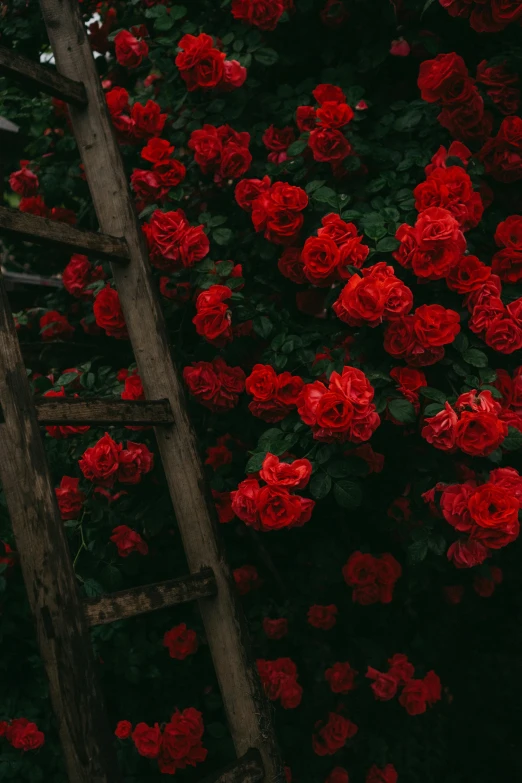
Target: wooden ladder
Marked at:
62, 617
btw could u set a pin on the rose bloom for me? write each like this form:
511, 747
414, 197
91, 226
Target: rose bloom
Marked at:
147, 740
128, 541
100, 463
180, 642
294, 474
414, 697
70, 498
134, 462
384, 685
478, 433
323, 617
25, 735
246, 579
341, 677
123, 729
333, 735
338, 775
444, 79
275, 629
24, 182
55, 325
108, 313
377, 774
129, 50
467, 553
260, 13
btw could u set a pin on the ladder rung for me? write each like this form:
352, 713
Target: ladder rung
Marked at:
44, 231
140, 600
59, 410
248, 769
33, 75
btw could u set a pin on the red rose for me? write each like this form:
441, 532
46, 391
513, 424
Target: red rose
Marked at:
157, 150
147, 740
306, 118
123, 729
128, 541
181, 743
320, 258
467, 553
323, 617
264, 14
234, 75
328, 144
440, 430
451, 188
468, 121
200, 65
333, 735
223, 504
414, 697
235, 161
117, 101
214, 384
246, 579
479, 433
384, 685
207, 147
129, 50
213, 319
24, 735
180, 642
341, 677
100, 463
108, 313
70, 498
490, 506
146, 186
135, 461
379, 775
148, 119
328, 92
24, 182
275, 629
469, 274
277, 508
78, 274
373, 297
454, 505
248, 190
245, 501
332, 114
338, 775
444, 79
295, 474
435, 326
291, 265
502, 155
278, 139
401, 668
169, 173
34, 205
456, 150
53, 324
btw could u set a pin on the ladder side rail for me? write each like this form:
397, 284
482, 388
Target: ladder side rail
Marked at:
46, 564
248, 711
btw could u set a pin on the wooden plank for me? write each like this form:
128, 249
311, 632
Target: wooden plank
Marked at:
59, 410
248, 769
247, 709
61, 627
141, 600
32, 75
52, 232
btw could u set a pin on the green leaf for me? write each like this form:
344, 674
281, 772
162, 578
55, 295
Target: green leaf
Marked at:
475, 357
222, 236
402, 410
433, 409
297, 147
67, 377
262, 326
339, 469
348, 494
255, 462
266, 56
324, 195
387, 244
314, 185
320, 485
513, 440
408, 121
373, 225
417, 551
433, 394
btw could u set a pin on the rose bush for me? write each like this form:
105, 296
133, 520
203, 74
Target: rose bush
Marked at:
330, 194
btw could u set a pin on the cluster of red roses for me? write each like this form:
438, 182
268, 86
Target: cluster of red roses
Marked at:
324, 258
176, 745
373, 578
343, 410
326, 141
274, 506
499, 84
485, 16
173, 243
487, 513
221, 151
204, 67
180, 641
136, 123
416, 694
276, 209
215, 384
333, 734
499, 325
374, 296
419, 337
213, 319
260, 13
22, 734
35, 205
107, 462
130, 49
80, 273
473, 424
152, 186
275, 395
279, 679
507, 263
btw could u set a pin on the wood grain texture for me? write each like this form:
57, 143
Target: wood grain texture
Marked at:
246, 706
248, 769
61, 628
140, 600
52, 232
34, 76
59, 410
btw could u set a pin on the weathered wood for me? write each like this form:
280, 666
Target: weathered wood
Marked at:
61, 627
53, 232
60, 410
245, 703
140, 600
248, 769
32, 75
